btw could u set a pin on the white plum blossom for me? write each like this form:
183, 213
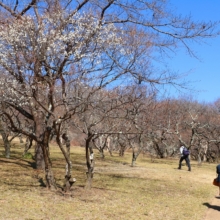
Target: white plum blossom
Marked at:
29, 46
50, 38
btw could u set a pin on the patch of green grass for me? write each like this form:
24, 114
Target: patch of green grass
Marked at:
28, 155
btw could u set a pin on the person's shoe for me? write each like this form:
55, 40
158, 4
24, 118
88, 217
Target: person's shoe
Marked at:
179, 168
189, 170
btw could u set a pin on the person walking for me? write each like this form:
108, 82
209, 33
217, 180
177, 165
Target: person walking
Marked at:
184, 156
218, 176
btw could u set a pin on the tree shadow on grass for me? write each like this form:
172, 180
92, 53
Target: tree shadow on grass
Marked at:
41, 181
17, 162
215, 207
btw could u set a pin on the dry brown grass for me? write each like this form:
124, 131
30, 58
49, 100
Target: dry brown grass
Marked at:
151, 190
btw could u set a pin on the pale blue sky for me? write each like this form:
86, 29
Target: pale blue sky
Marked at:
205, 73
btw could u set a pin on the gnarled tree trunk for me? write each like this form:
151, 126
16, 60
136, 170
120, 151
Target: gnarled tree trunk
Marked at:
69, 181
50, 181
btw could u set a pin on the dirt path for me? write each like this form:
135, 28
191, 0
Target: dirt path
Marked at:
213, 212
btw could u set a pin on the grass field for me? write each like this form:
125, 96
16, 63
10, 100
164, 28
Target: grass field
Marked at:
150, 190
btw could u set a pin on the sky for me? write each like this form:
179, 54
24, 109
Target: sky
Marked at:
205, 71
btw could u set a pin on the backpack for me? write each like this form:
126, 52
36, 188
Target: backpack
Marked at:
185, 152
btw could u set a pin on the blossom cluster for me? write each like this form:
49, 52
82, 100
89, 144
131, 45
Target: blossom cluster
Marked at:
55, 37
30, 45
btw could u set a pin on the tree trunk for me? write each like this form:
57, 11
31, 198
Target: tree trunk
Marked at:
40, 131
69, 181
39, 158
27, 145
42, 156
122, 150
133, 159
89, 162
110, 151
158, 150
108, 145
50, 181
135, 155
102, 155
199, 160
7, 148
100, 148
7, 143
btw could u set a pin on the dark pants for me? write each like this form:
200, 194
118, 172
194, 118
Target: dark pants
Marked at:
186, 158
